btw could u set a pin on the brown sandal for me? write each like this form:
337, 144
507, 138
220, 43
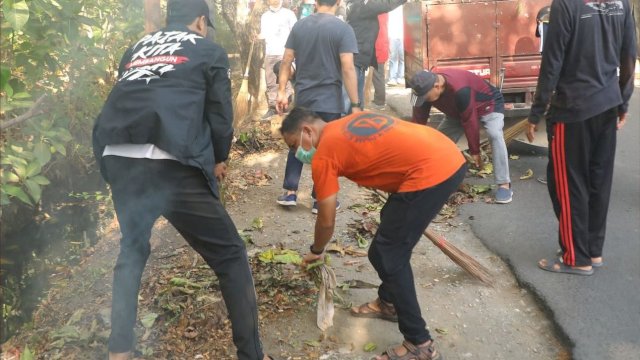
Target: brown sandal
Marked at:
387, 311
414, 352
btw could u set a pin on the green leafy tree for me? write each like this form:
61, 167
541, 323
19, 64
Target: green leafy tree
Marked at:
62, 53
58, 62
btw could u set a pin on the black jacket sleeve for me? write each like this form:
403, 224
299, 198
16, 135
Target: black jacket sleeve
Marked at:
557, 37
218, 107
370, 8
627, 61
420, 114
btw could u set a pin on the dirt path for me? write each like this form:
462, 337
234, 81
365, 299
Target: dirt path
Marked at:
182, 316
468, 319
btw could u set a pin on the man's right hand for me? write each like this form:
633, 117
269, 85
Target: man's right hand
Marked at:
477, 161
282, 102
355, 109
531, 130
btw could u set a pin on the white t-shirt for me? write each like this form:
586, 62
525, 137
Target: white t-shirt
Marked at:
137, 151
395, 26
275, 27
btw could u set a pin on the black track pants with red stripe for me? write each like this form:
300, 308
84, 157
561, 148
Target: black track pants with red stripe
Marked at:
579, 175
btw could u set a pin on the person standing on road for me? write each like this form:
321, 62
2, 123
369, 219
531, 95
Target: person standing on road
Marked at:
418, 165
396, 47
467, 101
323, 47
587, 102
162, 139
275, 25
362, 15
382, 55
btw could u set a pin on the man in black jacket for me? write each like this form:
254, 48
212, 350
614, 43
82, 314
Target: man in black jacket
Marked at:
362, 15
587, 42
161, 140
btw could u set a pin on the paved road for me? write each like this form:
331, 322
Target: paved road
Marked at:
600, 314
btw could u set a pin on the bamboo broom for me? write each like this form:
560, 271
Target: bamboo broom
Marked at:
515, 130
241, 106
465, 261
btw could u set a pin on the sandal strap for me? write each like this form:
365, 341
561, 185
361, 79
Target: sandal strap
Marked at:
421, 353
386, 307
393, 355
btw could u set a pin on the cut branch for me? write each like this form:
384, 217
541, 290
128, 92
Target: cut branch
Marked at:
35, 110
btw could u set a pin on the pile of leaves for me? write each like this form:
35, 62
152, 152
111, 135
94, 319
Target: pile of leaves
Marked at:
180, 309
256, 138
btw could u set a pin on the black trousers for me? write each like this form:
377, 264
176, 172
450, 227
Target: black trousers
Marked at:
403, 219
579, 176
379, 90
144, 189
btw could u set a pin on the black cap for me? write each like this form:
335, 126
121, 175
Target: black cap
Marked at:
187, 10
421, 83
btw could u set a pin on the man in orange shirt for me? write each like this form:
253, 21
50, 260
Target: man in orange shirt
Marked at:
418, 165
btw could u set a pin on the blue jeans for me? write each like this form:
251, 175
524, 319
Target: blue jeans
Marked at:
396, 60
293, 169
493, 124
360, 72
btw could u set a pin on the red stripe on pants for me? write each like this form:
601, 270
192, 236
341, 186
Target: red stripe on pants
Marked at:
562, 190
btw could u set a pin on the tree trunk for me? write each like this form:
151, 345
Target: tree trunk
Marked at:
152, 16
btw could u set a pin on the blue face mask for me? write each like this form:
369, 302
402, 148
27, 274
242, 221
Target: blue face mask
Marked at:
305, 156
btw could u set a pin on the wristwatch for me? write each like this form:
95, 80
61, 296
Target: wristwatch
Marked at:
356, 104
315, 252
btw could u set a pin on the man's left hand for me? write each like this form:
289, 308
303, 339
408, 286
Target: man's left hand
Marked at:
220, 171
622, 119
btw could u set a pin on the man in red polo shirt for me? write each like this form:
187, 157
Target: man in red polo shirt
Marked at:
468, 102
418, 165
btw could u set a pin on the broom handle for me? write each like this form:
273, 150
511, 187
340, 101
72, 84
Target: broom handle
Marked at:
435, 238
246, 69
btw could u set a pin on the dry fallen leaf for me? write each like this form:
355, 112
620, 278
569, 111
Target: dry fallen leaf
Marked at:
191, 333
442, 331
527, 175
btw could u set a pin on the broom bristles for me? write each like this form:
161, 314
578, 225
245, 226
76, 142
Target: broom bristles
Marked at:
469, 264
465, 261
515, 130
241, 106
